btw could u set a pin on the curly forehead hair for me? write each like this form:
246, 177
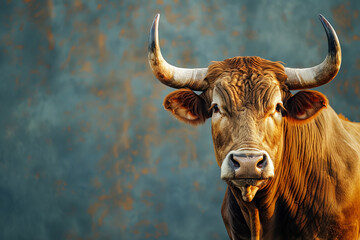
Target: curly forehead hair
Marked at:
246, 67
247, 80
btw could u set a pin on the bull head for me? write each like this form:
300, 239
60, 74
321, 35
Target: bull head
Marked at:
249, 101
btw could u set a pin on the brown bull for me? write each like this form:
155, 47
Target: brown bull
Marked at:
291, 164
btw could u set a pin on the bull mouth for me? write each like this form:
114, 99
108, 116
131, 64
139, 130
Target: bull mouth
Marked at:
241, 182
248, 186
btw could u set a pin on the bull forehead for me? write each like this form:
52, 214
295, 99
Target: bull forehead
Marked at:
236, 91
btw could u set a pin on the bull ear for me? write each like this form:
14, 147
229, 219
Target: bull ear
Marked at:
187, 106
305, 105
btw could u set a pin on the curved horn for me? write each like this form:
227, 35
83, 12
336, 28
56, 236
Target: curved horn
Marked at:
300, 78
169, 75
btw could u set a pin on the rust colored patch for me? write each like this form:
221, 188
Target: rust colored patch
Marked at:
243, 14
136, 176
357, 63
145, 171
85, 127
188, 58
188, 19
129, 93
50, 5
342, 16
118, 187
21, 28
219, 24
41, 14
78, 4
135, 153
102, 47
35, 71
196, 185
86, 67
96, 183
171, 17
67, 61
125, 137
162, 227
60, 186
100, 93
127, 203
206, 32
37, 176
251, 34
163, 42
17, 82
160, 2
147, 144
115, 151
356, 88
102, 216
122, 33
117, 167
93, 208
105, 197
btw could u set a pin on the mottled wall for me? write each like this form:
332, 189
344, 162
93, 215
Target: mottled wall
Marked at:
87, 151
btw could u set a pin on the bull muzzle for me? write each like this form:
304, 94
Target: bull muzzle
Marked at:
247, 170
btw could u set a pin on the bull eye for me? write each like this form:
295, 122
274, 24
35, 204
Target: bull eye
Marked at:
280, 108
215, 108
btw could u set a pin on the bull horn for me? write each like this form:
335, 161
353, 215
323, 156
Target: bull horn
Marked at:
300, 78
169, 75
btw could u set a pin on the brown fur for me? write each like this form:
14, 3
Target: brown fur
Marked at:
247, 66
315, 193
316, 179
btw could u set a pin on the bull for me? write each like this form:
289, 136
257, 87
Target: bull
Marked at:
291, 164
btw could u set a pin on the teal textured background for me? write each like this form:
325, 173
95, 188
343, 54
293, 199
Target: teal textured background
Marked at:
87, 151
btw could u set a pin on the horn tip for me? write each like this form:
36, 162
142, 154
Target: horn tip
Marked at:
157, 16
156, 20
324, 21
153, 33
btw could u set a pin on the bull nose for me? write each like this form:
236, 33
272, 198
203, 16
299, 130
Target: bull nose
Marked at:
247, 164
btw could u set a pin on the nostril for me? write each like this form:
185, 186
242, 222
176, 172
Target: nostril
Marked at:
234, 162
261, 163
